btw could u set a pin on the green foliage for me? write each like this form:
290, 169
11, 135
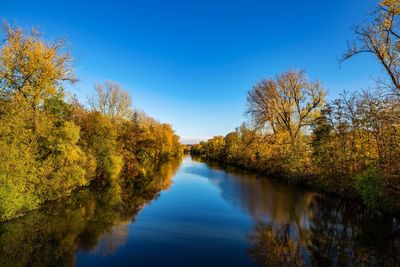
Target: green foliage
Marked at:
18, 166
48, 147
372, 188
98, 138
63, 162
14, 198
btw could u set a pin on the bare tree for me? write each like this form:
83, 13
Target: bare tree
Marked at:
110, 100
381, 37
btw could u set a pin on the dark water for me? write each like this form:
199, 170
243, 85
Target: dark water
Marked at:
194, 214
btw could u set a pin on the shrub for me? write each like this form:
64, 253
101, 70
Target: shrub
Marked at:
371, 186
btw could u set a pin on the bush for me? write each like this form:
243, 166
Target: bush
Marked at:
371, 186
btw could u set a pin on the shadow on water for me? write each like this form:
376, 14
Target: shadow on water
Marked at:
298, 227
90, 220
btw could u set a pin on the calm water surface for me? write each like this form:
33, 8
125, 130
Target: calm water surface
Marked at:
196, 214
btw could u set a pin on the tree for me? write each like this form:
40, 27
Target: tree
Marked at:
110, 100
98, 140
31, 69
381, 37
38, 141
287, 104
49, 147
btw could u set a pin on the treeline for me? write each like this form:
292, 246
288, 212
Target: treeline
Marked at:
350, 145
50, 144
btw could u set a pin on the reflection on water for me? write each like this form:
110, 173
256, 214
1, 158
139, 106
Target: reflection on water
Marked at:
210, 216
295, 227
90, 220
261, 197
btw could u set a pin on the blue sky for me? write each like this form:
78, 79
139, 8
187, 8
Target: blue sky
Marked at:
191, 63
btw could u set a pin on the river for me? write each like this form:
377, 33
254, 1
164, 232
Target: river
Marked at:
197, 214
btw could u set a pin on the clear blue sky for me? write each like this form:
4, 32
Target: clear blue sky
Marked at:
191, 63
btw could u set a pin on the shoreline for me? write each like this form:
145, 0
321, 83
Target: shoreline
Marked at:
302, 182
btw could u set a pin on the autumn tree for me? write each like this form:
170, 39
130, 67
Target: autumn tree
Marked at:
285, 108
50, 146
287, 104
32, 69
110, 100
99, 139
381, 37
38, 142
349, 145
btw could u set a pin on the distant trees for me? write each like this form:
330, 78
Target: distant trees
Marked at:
143, 141
49, 147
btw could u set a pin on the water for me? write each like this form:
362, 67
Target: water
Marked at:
194, 214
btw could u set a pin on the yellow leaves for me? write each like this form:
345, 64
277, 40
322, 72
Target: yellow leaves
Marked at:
116, 164
43, 153
287, 103
386, 23
393, 6
70, 132
32, 68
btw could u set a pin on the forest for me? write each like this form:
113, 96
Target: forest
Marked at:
349, 146
50, 144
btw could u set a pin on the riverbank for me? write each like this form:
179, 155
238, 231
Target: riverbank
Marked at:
311, 182
150, 179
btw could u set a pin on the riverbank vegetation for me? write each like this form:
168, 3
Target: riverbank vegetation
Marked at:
349, 145
51, 144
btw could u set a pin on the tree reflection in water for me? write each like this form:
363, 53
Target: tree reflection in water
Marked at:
339, 234
274, 247
291, 226
90, 220
296, 227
